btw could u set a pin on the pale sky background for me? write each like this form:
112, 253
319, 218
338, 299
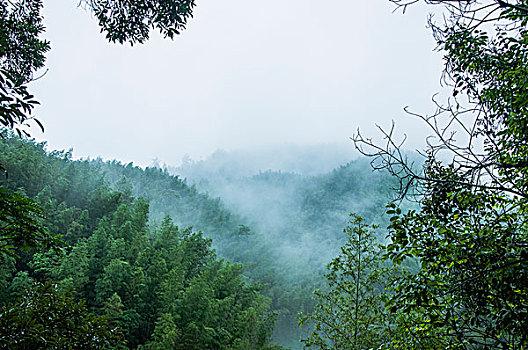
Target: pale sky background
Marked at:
244, 74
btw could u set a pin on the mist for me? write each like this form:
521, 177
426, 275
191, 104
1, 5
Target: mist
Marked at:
296, 201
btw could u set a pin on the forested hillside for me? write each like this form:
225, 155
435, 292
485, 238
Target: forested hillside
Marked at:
286, 227
155, 284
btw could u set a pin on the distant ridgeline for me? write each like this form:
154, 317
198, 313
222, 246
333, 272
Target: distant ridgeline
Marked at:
127, 259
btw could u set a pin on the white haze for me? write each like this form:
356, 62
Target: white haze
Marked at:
305, 160
244, 74
296, 201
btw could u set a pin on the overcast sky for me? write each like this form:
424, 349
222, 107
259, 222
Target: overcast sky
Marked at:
244, 74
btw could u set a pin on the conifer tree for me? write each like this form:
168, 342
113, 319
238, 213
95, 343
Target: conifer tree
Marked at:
350, 314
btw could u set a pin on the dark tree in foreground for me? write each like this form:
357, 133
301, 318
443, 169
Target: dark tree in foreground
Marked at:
132, 21
43, 318
21, 54
470, 233
22, 225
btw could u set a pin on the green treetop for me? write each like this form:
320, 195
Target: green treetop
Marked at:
351, 313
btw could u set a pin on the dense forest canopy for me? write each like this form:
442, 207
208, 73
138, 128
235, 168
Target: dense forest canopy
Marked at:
152, 284
287, 253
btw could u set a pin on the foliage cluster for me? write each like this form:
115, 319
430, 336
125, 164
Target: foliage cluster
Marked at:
130, 21
469, 235
21, 54
43, 318
22, 225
